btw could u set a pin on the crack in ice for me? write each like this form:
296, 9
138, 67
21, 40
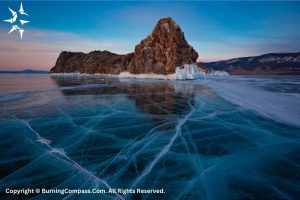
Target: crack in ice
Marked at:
165, 149
61, 153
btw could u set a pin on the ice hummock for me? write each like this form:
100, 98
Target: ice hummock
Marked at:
187, 72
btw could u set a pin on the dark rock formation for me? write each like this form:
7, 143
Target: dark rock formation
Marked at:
163, 50
93, 62
160, 53
267, 64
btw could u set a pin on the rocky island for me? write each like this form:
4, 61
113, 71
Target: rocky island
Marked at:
162, 52
166, 54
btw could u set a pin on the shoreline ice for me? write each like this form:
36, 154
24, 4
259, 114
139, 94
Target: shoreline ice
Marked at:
187, 72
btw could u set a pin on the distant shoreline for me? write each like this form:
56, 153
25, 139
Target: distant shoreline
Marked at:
27, 71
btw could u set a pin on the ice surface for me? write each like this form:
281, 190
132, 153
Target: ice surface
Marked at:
196, 139
279, 106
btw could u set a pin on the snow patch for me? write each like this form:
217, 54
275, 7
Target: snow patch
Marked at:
232, 61
297, 59
278, 59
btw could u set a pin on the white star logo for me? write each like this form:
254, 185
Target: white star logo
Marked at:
13, 20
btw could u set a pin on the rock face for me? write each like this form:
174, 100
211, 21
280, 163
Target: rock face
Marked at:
159, 53
163, 50
94, 62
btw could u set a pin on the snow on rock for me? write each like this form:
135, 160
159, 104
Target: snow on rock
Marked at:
280, 59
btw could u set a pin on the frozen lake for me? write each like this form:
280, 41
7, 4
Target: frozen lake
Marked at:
230, 137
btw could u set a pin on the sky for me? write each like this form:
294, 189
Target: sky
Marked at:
218, 30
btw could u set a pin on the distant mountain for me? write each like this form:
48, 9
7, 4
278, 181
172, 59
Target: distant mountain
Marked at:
27, 71
267, 64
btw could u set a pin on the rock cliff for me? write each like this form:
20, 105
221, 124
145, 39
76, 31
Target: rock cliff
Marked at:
163, 50
94, 62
